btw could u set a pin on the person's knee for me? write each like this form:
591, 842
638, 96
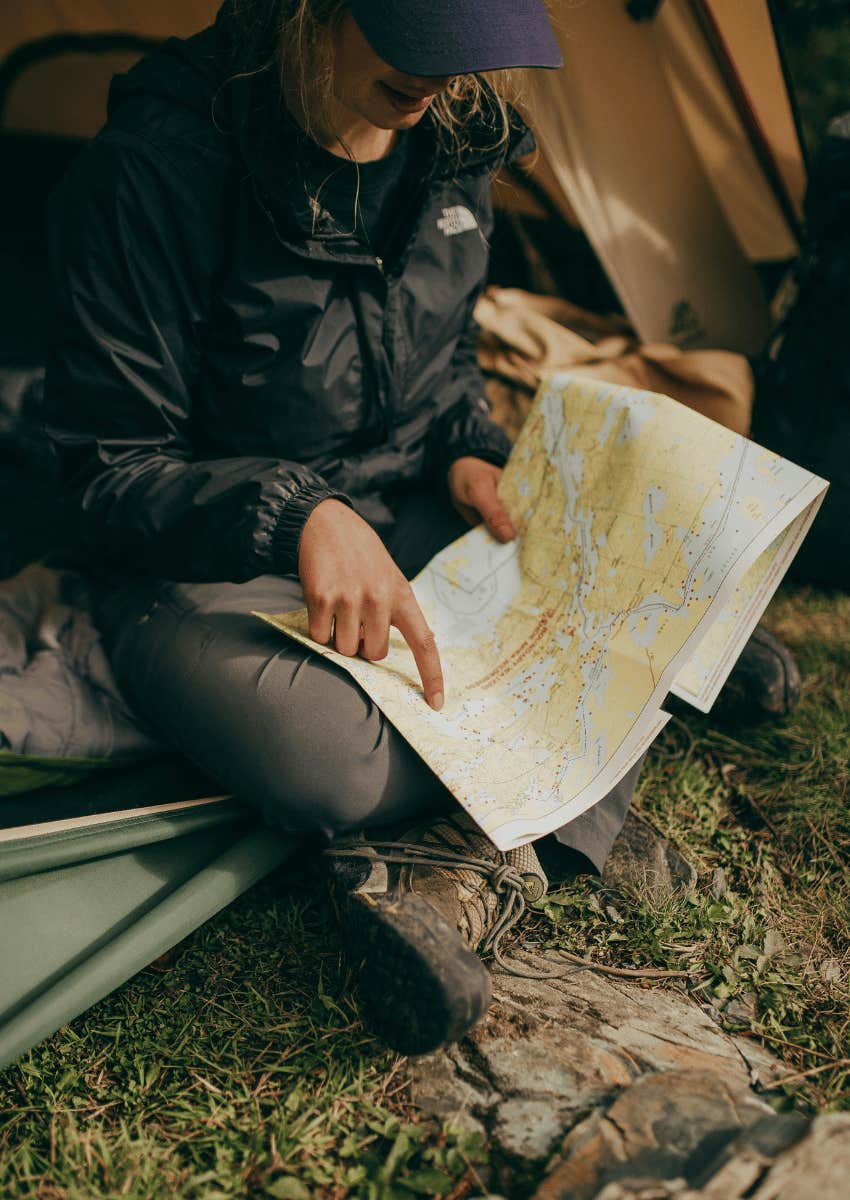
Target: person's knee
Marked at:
332, 796
277, 727
343, 783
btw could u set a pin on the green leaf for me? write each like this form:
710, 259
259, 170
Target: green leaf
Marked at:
288, 1188
427, 1182
470, 1143
455, 1161
398, 1155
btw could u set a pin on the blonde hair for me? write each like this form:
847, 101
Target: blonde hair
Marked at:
306, 71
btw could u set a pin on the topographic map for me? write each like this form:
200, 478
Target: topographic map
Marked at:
650, 541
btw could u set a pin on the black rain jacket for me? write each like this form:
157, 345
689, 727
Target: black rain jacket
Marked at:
224, 360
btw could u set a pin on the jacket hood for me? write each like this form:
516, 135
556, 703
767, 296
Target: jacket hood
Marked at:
184, 72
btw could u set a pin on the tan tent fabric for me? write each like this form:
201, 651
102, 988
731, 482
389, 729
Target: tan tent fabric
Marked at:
747, 31
30, 19
38, 100
720, 140
524, 336
621, 153
67, 95
642, 144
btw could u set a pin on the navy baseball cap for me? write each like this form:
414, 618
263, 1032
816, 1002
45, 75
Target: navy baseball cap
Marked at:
457, 37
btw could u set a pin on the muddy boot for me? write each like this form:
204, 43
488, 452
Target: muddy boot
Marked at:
417, 914
643, 861
765, 681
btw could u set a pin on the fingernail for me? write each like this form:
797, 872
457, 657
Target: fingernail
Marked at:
437, 700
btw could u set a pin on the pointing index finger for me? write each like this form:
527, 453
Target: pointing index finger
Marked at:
413, 627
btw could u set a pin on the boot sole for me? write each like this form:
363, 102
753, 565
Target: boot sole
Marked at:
420, 985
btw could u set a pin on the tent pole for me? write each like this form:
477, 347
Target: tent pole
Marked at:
764, 155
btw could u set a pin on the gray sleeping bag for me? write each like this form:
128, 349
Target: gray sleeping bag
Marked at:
59, 703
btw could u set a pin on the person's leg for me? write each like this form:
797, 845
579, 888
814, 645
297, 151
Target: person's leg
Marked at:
296, 737
282, 728
594, 832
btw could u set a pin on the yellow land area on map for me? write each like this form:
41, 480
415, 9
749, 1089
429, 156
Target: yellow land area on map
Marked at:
642, 526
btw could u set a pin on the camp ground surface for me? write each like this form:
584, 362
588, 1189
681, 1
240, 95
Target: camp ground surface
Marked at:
238, 1065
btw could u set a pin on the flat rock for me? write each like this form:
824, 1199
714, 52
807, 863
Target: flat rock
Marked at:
449, 1089
552, 1055
528, 1130
817, 1168
666, 1130
631, 1154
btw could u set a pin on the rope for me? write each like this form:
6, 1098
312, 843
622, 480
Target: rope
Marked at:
507, 883
504, 878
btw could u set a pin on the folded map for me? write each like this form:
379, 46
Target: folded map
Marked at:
650, 542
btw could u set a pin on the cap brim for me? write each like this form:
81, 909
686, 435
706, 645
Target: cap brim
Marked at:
449, 37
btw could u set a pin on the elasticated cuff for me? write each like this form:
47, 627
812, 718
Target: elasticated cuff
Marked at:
286, 539
485, 441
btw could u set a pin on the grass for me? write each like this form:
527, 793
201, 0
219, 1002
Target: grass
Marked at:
243, 1069
763, 813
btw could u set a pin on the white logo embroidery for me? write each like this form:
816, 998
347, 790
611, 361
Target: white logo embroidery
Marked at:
457, 219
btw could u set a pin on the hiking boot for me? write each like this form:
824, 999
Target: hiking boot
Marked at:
643, 861
418, 913
765, 680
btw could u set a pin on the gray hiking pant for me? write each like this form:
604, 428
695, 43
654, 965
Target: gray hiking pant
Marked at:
278, 726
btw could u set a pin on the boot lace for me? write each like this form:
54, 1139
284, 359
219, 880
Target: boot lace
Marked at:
503, 878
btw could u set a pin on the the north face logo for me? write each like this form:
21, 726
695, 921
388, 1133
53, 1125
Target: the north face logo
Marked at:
457, 219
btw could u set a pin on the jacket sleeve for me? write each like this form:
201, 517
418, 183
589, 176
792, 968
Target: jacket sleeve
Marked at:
465, 426
133, 248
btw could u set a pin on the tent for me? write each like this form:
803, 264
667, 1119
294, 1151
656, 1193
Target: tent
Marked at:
696, 87
681, 178
671, 171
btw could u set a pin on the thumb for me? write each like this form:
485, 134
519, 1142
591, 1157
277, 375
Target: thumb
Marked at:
486, 500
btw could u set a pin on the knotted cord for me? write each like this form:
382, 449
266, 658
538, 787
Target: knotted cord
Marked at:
503, 878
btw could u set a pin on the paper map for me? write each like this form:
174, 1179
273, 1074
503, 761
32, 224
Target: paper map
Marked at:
650, 541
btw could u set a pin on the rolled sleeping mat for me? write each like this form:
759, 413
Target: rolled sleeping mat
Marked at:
71, 934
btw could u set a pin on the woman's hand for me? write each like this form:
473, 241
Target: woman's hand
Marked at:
473, 487
355, 592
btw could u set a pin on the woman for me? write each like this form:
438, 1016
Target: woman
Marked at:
264, 393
